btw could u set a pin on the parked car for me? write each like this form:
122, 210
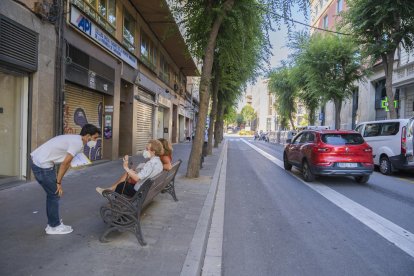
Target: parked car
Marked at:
330, 152
392, 143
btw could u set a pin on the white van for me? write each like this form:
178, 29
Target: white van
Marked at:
392, 143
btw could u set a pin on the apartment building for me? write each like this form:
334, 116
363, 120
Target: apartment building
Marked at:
365, 105
124, 67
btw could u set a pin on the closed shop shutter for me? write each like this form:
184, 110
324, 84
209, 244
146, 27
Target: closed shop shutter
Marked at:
144, 120
83, 106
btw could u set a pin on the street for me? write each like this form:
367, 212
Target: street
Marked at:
275, 224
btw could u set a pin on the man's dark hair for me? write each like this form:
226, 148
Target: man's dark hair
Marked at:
89, 129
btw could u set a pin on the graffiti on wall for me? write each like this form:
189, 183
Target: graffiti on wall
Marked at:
73, 121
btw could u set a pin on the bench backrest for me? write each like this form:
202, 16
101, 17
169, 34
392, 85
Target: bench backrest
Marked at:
173, 172
161, 181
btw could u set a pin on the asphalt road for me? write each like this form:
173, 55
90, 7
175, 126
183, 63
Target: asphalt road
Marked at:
274, 224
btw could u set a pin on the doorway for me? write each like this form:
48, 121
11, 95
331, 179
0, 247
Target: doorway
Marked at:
13, 127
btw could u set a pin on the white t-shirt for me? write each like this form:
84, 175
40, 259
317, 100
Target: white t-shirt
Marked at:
55, 150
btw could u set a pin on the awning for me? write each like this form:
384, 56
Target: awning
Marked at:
157, 15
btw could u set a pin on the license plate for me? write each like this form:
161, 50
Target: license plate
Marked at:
347, 165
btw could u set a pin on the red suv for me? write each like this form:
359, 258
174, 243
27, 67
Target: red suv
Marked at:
330, 152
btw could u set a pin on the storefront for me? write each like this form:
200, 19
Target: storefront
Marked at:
18, 59
13, 126
145, 113
83, 106
89, 84
163, 117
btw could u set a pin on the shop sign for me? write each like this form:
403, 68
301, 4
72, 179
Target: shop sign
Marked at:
164, 101
92, 79
90, 29
109, 108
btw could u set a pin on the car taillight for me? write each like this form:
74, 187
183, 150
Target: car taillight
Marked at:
404, 141
369, 165
317, 149
368, 149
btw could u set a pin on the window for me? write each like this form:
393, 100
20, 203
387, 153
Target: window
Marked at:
339, 5
297, 139
371, 130
388, 129
325, 22
102, 11
311, 137
359, 128
342, 139
304, 138
129, 31
320, 4
148, 51
164, 69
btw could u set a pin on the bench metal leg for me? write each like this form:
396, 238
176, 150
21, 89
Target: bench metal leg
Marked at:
103, 236
138, 234
170, 188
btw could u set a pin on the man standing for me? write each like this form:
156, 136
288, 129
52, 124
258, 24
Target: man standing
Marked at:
59, 150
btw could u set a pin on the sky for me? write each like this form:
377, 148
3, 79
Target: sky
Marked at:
280, 52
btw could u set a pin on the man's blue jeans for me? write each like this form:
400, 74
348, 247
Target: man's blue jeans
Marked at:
47, 179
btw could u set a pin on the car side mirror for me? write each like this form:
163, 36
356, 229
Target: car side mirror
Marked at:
289, 141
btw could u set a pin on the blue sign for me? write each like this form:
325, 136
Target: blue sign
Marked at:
86, 26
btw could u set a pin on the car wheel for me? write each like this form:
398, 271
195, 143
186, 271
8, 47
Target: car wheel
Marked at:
308, 176
286, 163
362, 179
385, 166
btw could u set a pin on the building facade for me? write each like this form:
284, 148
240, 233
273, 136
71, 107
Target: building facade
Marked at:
263, 104
365, 104
118, 64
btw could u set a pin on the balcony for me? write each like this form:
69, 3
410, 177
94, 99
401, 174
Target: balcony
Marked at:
403, 75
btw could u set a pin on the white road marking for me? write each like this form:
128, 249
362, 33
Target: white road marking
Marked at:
397, 235
214, 252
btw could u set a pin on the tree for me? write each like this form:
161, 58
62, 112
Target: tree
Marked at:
248, 114
309, 98
380, 27
230, 116
203, 20
281, 85
240, 120
331, 65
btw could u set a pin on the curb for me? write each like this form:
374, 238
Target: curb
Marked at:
195, 255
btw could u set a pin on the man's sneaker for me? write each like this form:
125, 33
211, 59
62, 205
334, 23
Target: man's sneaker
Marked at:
60, 229
61, 221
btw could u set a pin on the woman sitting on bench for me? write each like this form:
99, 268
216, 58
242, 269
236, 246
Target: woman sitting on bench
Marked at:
166, 158
135, 178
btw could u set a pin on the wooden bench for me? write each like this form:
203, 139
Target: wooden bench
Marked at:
123, 213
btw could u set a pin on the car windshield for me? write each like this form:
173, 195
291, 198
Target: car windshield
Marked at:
343, 139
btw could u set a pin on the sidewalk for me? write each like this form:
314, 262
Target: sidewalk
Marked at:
168, 227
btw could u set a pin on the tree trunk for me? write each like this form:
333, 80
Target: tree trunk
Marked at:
312, 117
291, 122
338, 108
213, 112
219, 120
221, 130
193, 167
388, 61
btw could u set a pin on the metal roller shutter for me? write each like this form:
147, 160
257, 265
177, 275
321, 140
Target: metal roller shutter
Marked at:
83, 106
144, 121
